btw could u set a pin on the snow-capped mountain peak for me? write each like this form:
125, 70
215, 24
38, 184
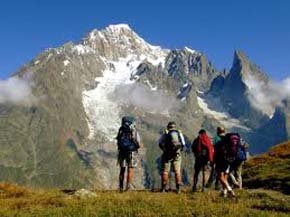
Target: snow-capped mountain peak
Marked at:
119, 41
118, 27
190, 50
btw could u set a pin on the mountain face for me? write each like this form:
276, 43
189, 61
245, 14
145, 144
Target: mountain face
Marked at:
66, 137
234, 91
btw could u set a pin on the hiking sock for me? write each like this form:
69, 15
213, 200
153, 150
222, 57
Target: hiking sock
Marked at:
232, 193
224, 192
177, 181
129, 178
164, 181
229, 188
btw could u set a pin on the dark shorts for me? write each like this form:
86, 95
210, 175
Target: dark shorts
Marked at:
223, 166
200, 164
127, 159
227, 167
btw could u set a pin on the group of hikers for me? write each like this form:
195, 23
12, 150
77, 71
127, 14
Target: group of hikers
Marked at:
224, 156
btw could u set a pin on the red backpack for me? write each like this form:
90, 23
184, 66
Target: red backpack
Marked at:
202, 147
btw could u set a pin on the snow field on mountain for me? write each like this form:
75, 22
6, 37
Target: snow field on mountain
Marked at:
104, 113
222, 117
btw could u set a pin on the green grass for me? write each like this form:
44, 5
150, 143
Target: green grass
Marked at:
18, 201
270, 170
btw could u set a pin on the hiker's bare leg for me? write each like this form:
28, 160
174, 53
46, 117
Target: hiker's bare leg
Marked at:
121, 178
197, 168
164, 180
130, 175
203, 178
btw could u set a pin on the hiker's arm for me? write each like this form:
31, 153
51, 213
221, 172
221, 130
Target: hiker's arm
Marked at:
141, 145
161, 142
245, 144
119, 134
193, 145
182, 140
118, 137
138, 140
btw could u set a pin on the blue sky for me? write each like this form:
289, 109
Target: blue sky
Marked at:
216, 27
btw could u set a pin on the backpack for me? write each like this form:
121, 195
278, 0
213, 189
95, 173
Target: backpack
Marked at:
126, 139
200, 151
242, 153
172, 142
234, 148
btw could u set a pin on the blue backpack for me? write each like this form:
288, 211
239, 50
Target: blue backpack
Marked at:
126, 139
242, 153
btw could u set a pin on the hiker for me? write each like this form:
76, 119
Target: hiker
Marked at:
171, 143
220, 131
128, 141
229, 154
203, 152
236, 173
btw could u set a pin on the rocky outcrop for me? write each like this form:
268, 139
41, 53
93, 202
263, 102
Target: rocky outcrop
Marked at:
234, 91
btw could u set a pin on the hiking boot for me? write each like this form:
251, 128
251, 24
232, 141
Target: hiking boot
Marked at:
178, 191
217, 186
232, 193
164, 182
164, 188
194, 189
121, 190
129, 187
224, 193
121, 187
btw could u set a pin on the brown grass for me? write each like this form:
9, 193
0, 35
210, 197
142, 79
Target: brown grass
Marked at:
141, 203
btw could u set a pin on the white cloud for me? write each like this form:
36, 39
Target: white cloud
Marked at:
143, 97
16, 90
267, 96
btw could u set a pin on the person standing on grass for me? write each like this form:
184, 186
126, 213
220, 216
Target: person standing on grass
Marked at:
203, 152
128, 141
171, 143
220, 132
230, 153
236, 173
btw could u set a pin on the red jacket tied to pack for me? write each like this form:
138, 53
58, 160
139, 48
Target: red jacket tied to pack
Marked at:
204, 141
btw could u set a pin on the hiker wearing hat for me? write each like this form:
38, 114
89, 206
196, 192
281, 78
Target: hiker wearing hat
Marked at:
203, 152
171, 143
128, 141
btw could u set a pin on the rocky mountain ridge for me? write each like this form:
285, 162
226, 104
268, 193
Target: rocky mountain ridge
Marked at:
66, 138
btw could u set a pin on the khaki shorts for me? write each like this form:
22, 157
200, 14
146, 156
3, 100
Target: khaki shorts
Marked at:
175, 162
127, 159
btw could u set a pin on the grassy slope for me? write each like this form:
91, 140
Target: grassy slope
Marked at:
270, 170
18, 201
